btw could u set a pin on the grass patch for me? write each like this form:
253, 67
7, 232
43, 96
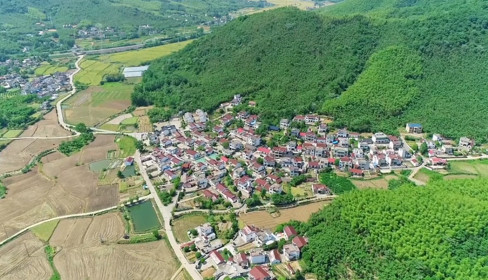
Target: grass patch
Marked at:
137, 57
44, 231
50, 253
111, 127
425, 175
130, 121
295, 191
182, 225
336, 183
3, 190
127, 145
140, 238
12, 133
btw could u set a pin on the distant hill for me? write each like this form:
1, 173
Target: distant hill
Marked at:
372, 65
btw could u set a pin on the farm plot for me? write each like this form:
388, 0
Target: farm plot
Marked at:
47, 127
48, 69
134, 261
98, 149
92, 71
145, 124
141, 111
263, 219
474, 167
24, 258
135, 58
376, 183
119, 119
97, 103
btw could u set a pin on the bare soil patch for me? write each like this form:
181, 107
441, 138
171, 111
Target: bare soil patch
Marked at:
134, 261
98, 149
48, 127
24, 259
263, 219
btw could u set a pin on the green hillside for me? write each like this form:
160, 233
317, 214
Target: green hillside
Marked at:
435, 232
407, 60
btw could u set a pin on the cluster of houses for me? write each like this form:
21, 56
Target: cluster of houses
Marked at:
256, 263
13, 79
48, 85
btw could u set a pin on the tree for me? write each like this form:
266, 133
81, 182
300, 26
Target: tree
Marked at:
82, 128
193, 247
337, 161
120, 175
239, 194
194, 232
140, 146
260, 160
198, 255
415, 147
225, 145
423, 148
263, 193
156, 234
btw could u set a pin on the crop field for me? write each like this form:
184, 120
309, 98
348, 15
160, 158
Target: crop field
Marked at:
141, 111
97, 103
134, 261
48, 69
473, 167
264, 220
145, 124
88, 232
135, 58
425, 175
64, 187
127, 146
44, 231
119, 119
47, 127
98, 149
92, 71
376, 183
182, 225
24, 259
20, 152
12, 133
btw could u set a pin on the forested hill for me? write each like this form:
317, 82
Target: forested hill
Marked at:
435, 232
373, 65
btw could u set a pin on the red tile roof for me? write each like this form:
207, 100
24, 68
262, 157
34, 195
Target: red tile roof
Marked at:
289, 231
258, 273
299, 241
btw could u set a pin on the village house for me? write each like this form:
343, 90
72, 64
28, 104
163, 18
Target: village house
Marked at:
264, 237
257, 256
259, 273
299, 241
320, 189
447, 149
323, 128
315, 165
437, 137
465, 142
342, 133
269, 161
356, 173
291, 252
394, 160
289, 232
413, 128
227, 119
129, 161
435, 161
340, 152
274, 257
236, 145
243, 115
210, 195
294, 171
241, 260
248, 233
311, 119
284, 123
299, 118
362, 164
379, 160
379, 138
295, 132
217, 258
395, 143
279, 151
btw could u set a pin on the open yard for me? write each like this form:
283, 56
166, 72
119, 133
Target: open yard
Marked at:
135, 58
182, 225
92, 71
97, 103
62, 187
263, 219
24, 259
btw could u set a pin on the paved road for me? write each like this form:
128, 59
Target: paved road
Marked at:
167, 216
59, 110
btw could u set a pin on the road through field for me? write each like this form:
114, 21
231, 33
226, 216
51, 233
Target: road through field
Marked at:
167, 216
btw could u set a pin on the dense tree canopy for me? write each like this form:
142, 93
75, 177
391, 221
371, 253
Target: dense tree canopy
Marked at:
372, 65
433, 232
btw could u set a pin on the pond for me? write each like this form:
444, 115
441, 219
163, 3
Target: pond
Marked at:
98, 166
129, 171
144, 217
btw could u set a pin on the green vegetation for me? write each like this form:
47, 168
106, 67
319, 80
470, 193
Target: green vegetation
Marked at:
433, 232
14, 113
393, 62
93, 71
19, 18
140, 238
48, 69
44, 231
336, 184
50, 253
75, 145
3, 190
12, 133
139, 57
130, 121
127, 145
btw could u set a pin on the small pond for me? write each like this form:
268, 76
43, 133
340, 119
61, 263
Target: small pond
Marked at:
98, 166
144, 217
129, 171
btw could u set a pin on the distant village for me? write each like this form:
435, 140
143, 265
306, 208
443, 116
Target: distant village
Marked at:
226, 160
43, 86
